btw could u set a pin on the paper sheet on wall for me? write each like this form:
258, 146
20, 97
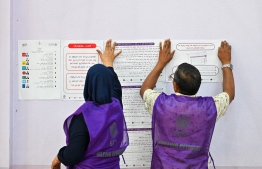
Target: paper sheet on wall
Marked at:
138, 120
39, 69
77, 57
132, 66
137, 60
200, 53
134, 107
139, 152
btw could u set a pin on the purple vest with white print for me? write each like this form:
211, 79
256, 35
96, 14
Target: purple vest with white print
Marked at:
108, 135
182, 129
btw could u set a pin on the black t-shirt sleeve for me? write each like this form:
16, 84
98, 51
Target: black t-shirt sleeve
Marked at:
117, 93
79, 139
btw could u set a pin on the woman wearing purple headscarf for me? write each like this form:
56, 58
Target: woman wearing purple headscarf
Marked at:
96, 132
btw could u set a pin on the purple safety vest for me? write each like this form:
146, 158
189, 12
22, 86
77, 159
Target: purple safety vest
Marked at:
182, 129
107, 131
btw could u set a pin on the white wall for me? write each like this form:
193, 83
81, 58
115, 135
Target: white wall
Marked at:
237, 139
5, 84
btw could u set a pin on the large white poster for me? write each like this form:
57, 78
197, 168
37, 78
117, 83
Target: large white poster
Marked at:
200, 53
138, 120
138, 153
137, 59
77, 57
39, 69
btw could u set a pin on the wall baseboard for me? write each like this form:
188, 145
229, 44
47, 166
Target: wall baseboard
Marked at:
63, 167
32, 167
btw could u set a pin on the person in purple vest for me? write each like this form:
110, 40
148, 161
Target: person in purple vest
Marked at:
183, 123
96, 133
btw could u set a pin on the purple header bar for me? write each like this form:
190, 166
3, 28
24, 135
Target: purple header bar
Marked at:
139, 129
135, 44
131, 86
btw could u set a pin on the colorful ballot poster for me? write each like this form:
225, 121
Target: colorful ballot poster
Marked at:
39, 69
77, 58
200, 53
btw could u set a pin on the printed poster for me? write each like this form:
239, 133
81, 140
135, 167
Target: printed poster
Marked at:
39, 69
200, 53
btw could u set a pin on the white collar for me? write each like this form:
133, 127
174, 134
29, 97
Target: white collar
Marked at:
179, 94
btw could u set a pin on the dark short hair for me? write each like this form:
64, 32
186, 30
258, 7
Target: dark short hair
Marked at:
188, 79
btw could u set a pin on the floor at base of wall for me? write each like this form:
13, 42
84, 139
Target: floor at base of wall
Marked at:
62, 167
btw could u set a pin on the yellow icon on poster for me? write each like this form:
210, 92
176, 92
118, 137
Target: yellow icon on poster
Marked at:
23, 62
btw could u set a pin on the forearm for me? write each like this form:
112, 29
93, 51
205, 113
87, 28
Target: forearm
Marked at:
228, 83
117, 91
70, 155
164, 57
152, 78
117, 84
78, 141
224, 54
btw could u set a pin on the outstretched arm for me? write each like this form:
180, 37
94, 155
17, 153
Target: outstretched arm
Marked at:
165, 55
224, 54
108, 58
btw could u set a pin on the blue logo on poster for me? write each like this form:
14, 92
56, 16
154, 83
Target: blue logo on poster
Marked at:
23, 67
23, 81
23, 85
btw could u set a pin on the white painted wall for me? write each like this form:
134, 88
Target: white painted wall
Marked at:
237, 139
5, 84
